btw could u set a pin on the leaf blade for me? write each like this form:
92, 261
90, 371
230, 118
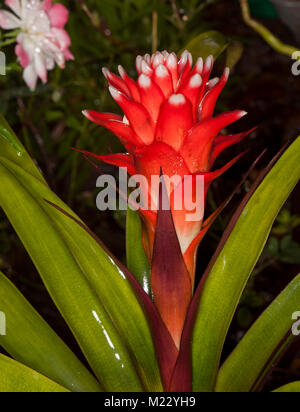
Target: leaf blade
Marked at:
39, 348
137, 261
233, 266
15, 377
269, 335
65, 281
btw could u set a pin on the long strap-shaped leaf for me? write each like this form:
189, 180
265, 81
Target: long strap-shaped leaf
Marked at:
115, 292
165, 349
12, 149
262, 344
137, 261
290, 388
15, 377
32, 342
66, 282
217, 297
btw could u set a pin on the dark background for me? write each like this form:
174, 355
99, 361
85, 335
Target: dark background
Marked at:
49, 123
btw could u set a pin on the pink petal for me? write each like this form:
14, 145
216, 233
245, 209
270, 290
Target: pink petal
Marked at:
30, 76
68, 55
174, 122
40, 67
14, 5
8, 21
58, 15
62, 38
22, 55
47, 5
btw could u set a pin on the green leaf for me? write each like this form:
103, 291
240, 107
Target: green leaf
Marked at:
15, 377
137, 261
32, 342
115, 292
234, 53
206, 44
263, 343
234, 264
291, 387
66, 282
12, 149
90, 290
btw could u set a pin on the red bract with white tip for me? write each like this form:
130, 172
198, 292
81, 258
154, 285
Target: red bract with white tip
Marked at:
169, 126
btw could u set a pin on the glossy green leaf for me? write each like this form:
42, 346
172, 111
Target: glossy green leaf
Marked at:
263, 344
32, 342
115, 292
66, 282
15, 377
137, 261
290, 388
12, 149
233, 266
96, 274
206, 44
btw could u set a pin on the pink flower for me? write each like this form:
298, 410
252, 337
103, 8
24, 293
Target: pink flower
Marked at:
42, 41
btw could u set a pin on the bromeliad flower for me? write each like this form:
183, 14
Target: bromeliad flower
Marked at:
169, 126
42, 40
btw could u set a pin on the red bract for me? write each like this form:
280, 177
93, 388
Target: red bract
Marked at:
169, 126
169, 129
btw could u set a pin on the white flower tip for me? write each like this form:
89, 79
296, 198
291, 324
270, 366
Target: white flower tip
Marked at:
144, 81
105, 72
139, 61
147, 58
125, 120
213, 82
243, 113
85, 113
121, 71
177, 99
145, 68
172, 61
209, 62
184, 55
114, 92
227, 73
199, 65
158, 59
161, 71
196, 81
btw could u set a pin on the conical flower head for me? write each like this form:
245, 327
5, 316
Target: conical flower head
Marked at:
168, 127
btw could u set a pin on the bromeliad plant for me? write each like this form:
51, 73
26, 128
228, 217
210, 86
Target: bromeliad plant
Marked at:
146, 327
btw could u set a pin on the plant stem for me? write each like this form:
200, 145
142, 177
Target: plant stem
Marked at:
154, 31
266, 34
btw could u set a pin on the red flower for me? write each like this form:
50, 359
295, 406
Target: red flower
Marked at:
169, 126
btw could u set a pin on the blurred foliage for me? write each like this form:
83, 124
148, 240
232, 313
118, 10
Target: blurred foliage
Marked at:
103, 33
